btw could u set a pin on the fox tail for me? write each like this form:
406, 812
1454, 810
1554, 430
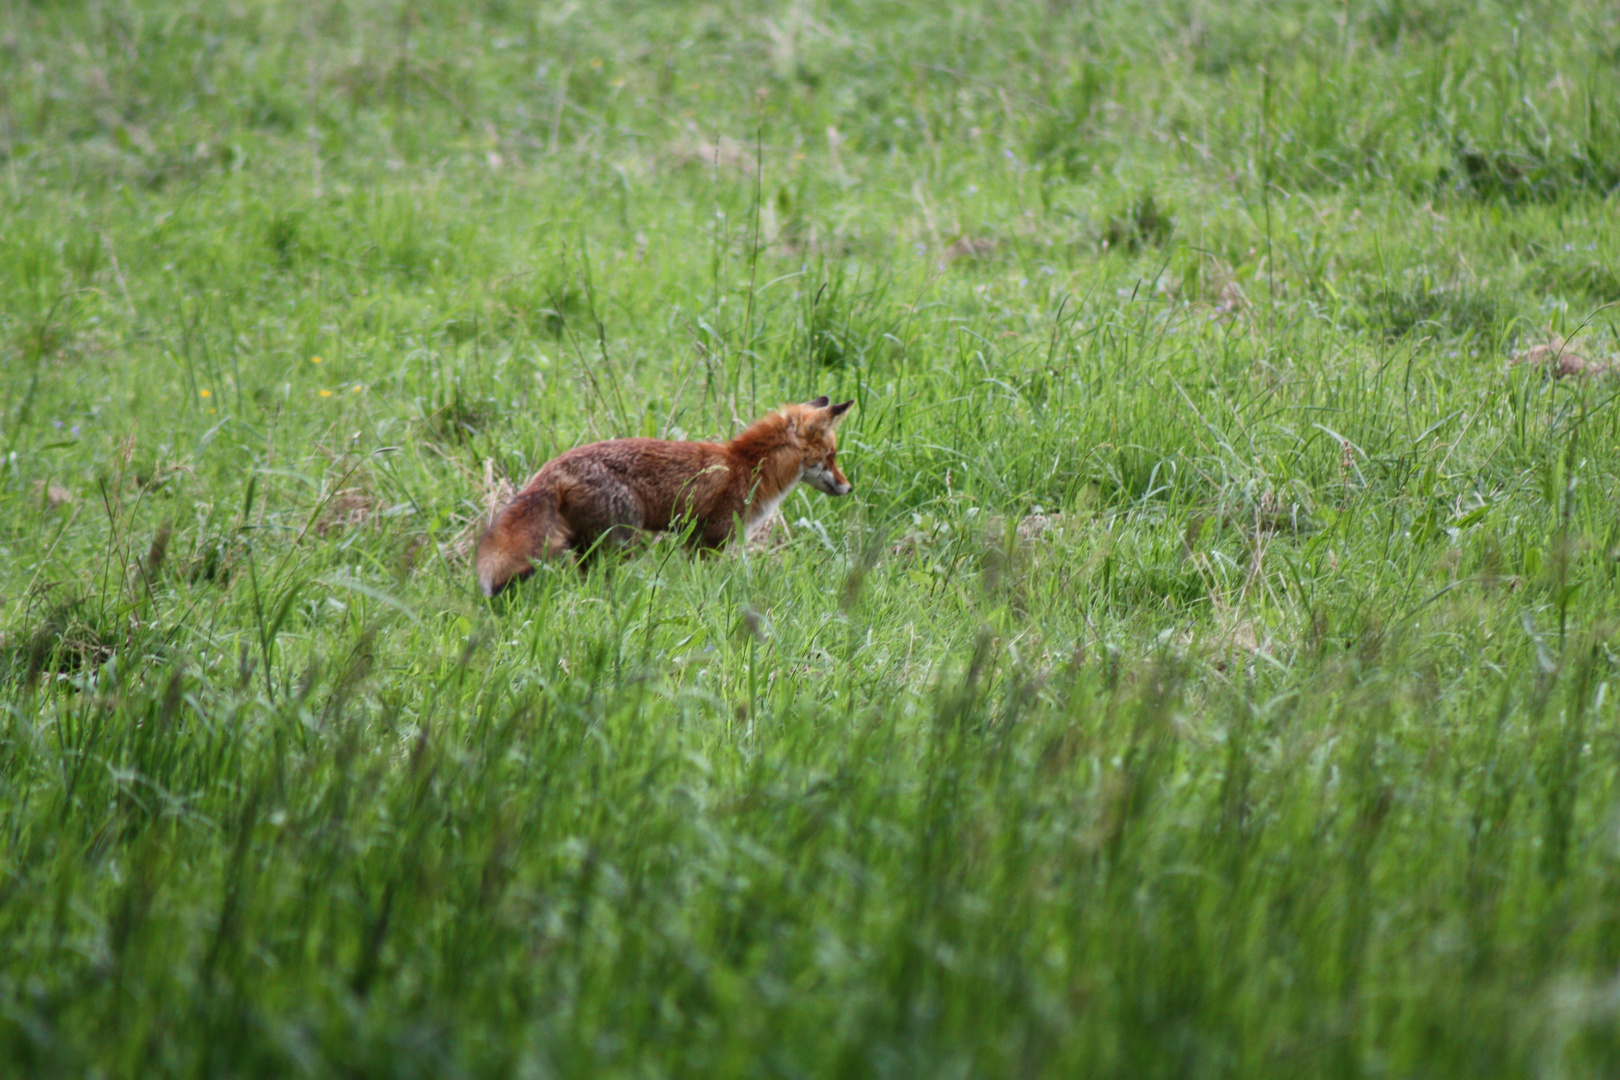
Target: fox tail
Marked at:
530, 527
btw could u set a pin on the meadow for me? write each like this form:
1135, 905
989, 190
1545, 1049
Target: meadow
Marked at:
1209, 676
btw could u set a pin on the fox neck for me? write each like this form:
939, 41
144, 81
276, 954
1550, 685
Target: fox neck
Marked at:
772, 462
762, 504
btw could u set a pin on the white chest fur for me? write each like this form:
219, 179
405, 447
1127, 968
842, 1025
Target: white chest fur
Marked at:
761, 512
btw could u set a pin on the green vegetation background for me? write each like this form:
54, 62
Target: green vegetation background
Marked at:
1209, 677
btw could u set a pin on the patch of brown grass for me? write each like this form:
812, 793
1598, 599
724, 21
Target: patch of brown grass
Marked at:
770, 535
53, 494
1035, 528
692, 150
351, 508
968, 248
1557, 358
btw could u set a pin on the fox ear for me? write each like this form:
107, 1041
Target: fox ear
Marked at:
819, 403
839, 410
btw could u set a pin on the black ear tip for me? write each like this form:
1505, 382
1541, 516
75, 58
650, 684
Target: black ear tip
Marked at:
840, 410
820, 402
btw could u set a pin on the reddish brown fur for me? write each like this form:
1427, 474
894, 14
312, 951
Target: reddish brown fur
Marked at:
608, 493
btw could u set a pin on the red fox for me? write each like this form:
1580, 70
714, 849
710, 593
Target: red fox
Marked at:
608, 493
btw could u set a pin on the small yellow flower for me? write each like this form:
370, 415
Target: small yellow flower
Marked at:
207, 393
597, 62
326, 393
358, 389
314, 359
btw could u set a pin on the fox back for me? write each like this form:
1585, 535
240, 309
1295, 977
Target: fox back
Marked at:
609, 494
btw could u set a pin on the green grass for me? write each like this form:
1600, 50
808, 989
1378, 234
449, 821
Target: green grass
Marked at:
1288, 747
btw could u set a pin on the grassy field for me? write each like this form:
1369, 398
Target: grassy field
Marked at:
1210, 675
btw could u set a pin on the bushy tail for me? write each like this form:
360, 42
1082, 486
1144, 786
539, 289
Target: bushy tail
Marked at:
529, 528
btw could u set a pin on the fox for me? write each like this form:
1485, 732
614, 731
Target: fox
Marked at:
609, 495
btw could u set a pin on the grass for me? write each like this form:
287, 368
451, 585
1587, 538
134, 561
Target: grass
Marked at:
1210, 675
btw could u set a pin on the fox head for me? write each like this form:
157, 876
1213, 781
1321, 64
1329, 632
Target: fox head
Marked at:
814, 422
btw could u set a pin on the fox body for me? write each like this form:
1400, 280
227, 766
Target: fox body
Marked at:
606, 494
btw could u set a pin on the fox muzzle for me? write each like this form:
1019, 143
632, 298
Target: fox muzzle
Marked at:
827, 481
